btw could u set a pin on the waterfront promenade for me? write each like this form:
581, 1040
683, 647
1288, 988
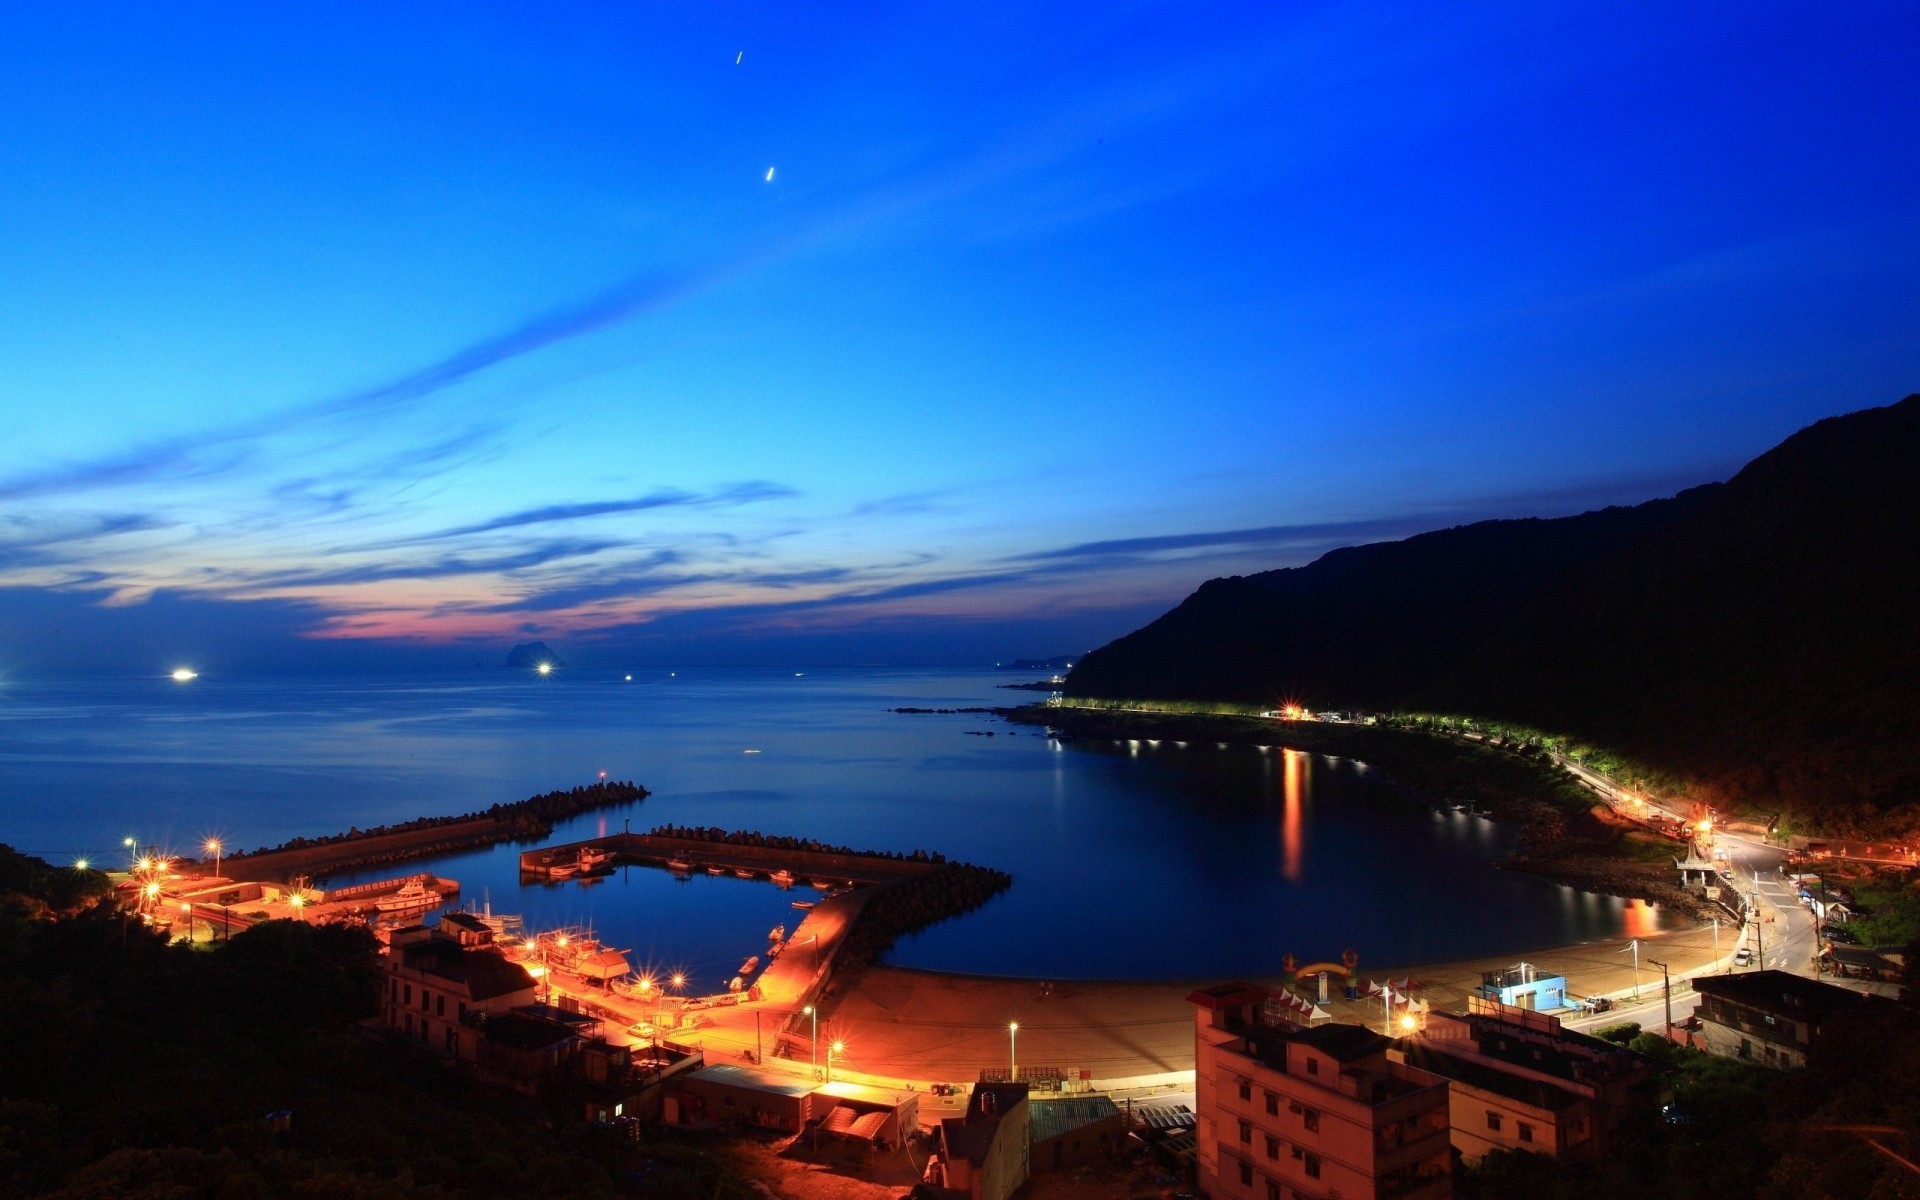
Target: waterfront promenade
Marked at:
923, 1025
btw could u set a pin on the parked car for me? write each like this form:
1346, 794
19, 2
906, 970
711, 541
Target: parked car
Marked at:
1742, 957
1598, 1004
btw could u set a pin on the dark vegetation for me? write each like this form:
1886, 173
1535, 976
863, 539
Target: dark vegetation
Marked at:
1756, 640
1738, 1130
522, 820
134, 1069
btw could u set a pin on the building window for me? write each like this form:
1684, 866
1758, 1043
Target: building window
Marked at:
1312, 1117
440, 1006
426, 1000
1526, 1132
1273, 1146
407, 997
1273, 1105
1246, 1134
449, 1039
1246, 1090
1273, 1190
1313, 1065
1246, 1173
1493, 1120
1313, 1166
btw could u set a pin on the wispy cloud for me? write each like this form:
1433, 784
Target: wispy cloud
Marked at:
220, 448
726, 497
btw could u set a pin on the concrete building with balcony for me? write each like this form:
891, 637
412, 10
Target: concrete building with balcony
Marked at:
1519, 1081
1770, 1017
1292, 1113
437, 979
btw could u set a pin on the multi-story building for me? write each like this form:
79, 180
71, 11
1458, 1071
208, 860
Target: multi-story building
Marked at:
1519, 1081
438, 978
1769, 1017
1292, 1113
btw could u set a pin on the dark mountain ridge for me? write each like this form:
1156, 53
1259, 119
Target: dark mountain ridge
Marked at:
1362, 627
1757, 638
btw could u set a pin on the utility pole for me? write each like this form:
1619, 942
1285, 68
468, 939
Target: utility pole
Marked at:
1634, 946
1666, 985
758, 1053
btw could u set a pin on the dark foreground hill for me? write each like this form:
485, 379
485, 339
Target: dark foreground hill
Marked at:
1757, 639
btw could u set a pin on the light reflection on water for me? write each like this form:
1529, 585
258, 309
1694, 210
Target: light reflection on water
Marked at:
1130, 859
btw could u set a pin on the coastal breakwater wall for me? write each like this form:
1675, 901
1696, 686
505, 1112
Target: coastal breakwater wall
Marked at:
425, 837
367, 850
657, 850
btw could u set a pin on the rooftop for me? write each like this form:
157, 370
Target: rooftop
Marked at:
747, 1077
1780, 993
1052, 1117
1534, 1092
486, 973
1343, 1043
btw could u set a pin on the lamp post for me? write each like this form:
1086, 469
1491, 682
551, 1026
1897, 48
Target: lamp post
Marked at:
1635, 947
214, 847
1013, 1051
299, 903
836, 1048
187, 908
813, 1054
1666, 986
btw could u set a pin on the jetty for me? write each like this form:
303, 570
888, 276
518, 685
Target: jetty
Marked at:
428, 837
687, 854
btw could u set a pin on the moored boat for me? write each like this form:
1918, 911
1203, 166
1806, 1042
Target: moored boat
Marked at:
414, 897
783, 877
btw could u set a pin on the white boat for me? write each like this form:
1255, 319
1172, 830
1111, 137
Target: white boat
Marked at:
679, 866
783, 878
823, 885
712, 870
803, 905
743, 873
565, 870
414, 897
748, 967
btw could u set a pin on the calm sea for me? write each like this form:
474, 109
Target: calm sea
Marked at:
1129, 860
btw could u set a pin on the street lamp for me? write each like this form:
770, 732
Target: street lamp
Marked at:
1013, 1051
836, 1048
1666, 985
299, 903
814, 1053
213, 847
187, 908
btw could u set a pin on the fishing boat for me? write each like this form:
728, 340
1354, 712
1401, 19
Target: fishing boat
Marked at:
679, 866
743, 873
414, 897
803, 905
748, 967
783, 877
594, 857
824, 885
562, 870
713, 870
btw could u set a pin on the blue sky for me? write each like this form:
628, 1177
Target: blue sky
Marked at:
342, 334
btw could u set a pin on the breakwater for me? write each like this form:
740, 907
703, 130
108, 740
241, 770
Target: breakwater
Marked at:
426, 837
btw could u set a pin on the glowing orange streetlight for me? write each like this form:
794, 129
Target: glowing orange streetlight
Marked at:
1013, 1051
836, 1048
214, 848
299, 903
